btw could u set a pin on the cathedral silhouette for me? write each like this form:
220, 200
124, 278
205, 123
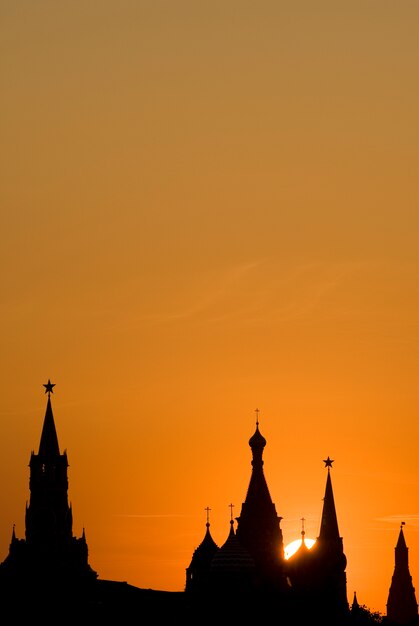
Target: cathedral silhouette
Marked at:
47, 574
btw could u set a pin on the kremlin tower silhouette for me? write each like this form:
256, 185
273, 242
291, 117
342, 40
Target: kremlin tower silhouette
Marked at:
47, 576
50, 560
402, 607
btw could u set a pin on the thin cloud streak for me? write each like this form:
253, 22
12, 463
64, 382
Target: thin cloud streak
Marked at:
411, 518
149, 515
269, 291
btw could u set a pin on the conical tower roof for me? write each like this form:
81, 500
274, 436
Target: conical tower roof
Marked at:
329, 529
232, 557
402, 607
48, 446
320, 574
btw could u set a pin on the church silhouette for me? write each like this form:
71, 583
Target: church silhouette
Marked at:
47, 574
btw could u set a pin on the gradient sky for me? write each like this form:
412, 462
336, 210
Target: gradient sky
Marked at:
209, 207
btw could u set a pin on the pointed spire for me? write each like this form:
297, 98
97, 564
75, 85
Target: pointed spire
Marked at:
48, 446
401, 551
329, 522
402, 607
355, 603
401, 541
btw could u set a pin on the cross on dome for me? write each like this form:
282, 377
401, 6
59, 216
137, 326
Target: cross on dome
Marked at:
207, 509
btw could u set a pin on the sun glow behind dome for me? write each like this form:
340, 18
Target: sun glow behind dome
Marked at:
294, 545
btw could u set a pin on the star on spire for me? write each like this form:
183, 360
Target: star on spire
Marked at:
48, 387
328, 462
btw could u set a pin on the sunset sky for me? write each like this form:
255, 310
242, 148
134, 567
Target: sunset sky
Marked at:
209, 207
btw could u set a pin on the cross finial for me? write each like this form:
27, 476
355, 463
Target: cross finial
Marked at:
207, 509
48, 387
303, 532
257, 417
231, 511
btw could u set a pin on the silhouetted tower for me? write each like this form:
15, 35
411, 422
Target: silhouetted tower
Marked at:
402, 607
317, 576
232, 567
298, 565
355, 604
329, 556
258, 527
48, 518
50, 554
197, 574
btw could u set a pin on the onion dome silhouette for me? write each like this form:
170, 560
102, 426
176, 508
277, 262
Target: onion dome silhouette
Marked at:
258, 510
257, 442
298, 562
198, 570
258, 526
232, 567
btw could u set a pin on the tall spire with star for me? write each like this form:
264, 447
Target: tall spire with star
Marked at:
48, 446
50, 556
48, 515
328, 558
329, 529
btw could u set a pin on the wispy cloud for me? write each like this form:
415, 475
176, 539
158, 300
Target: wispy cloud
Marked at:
411, 519
149, 515
264, 290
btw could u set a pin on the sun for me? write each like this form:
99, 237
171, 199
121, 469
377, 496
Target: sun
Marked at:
294, 545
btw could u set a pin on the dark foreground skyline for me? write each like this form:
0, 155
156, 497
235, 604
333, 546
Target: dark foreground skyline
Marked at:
48, 572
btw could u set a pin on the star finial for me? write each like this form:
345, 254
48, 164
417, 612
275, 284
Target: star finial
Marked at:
328, 462
48, 387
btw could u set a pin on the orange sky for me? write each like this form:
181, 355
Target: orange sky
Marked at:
208, 207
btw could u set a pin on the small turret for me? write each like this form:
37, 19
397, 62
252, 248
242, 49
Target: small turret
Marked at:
402, 607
